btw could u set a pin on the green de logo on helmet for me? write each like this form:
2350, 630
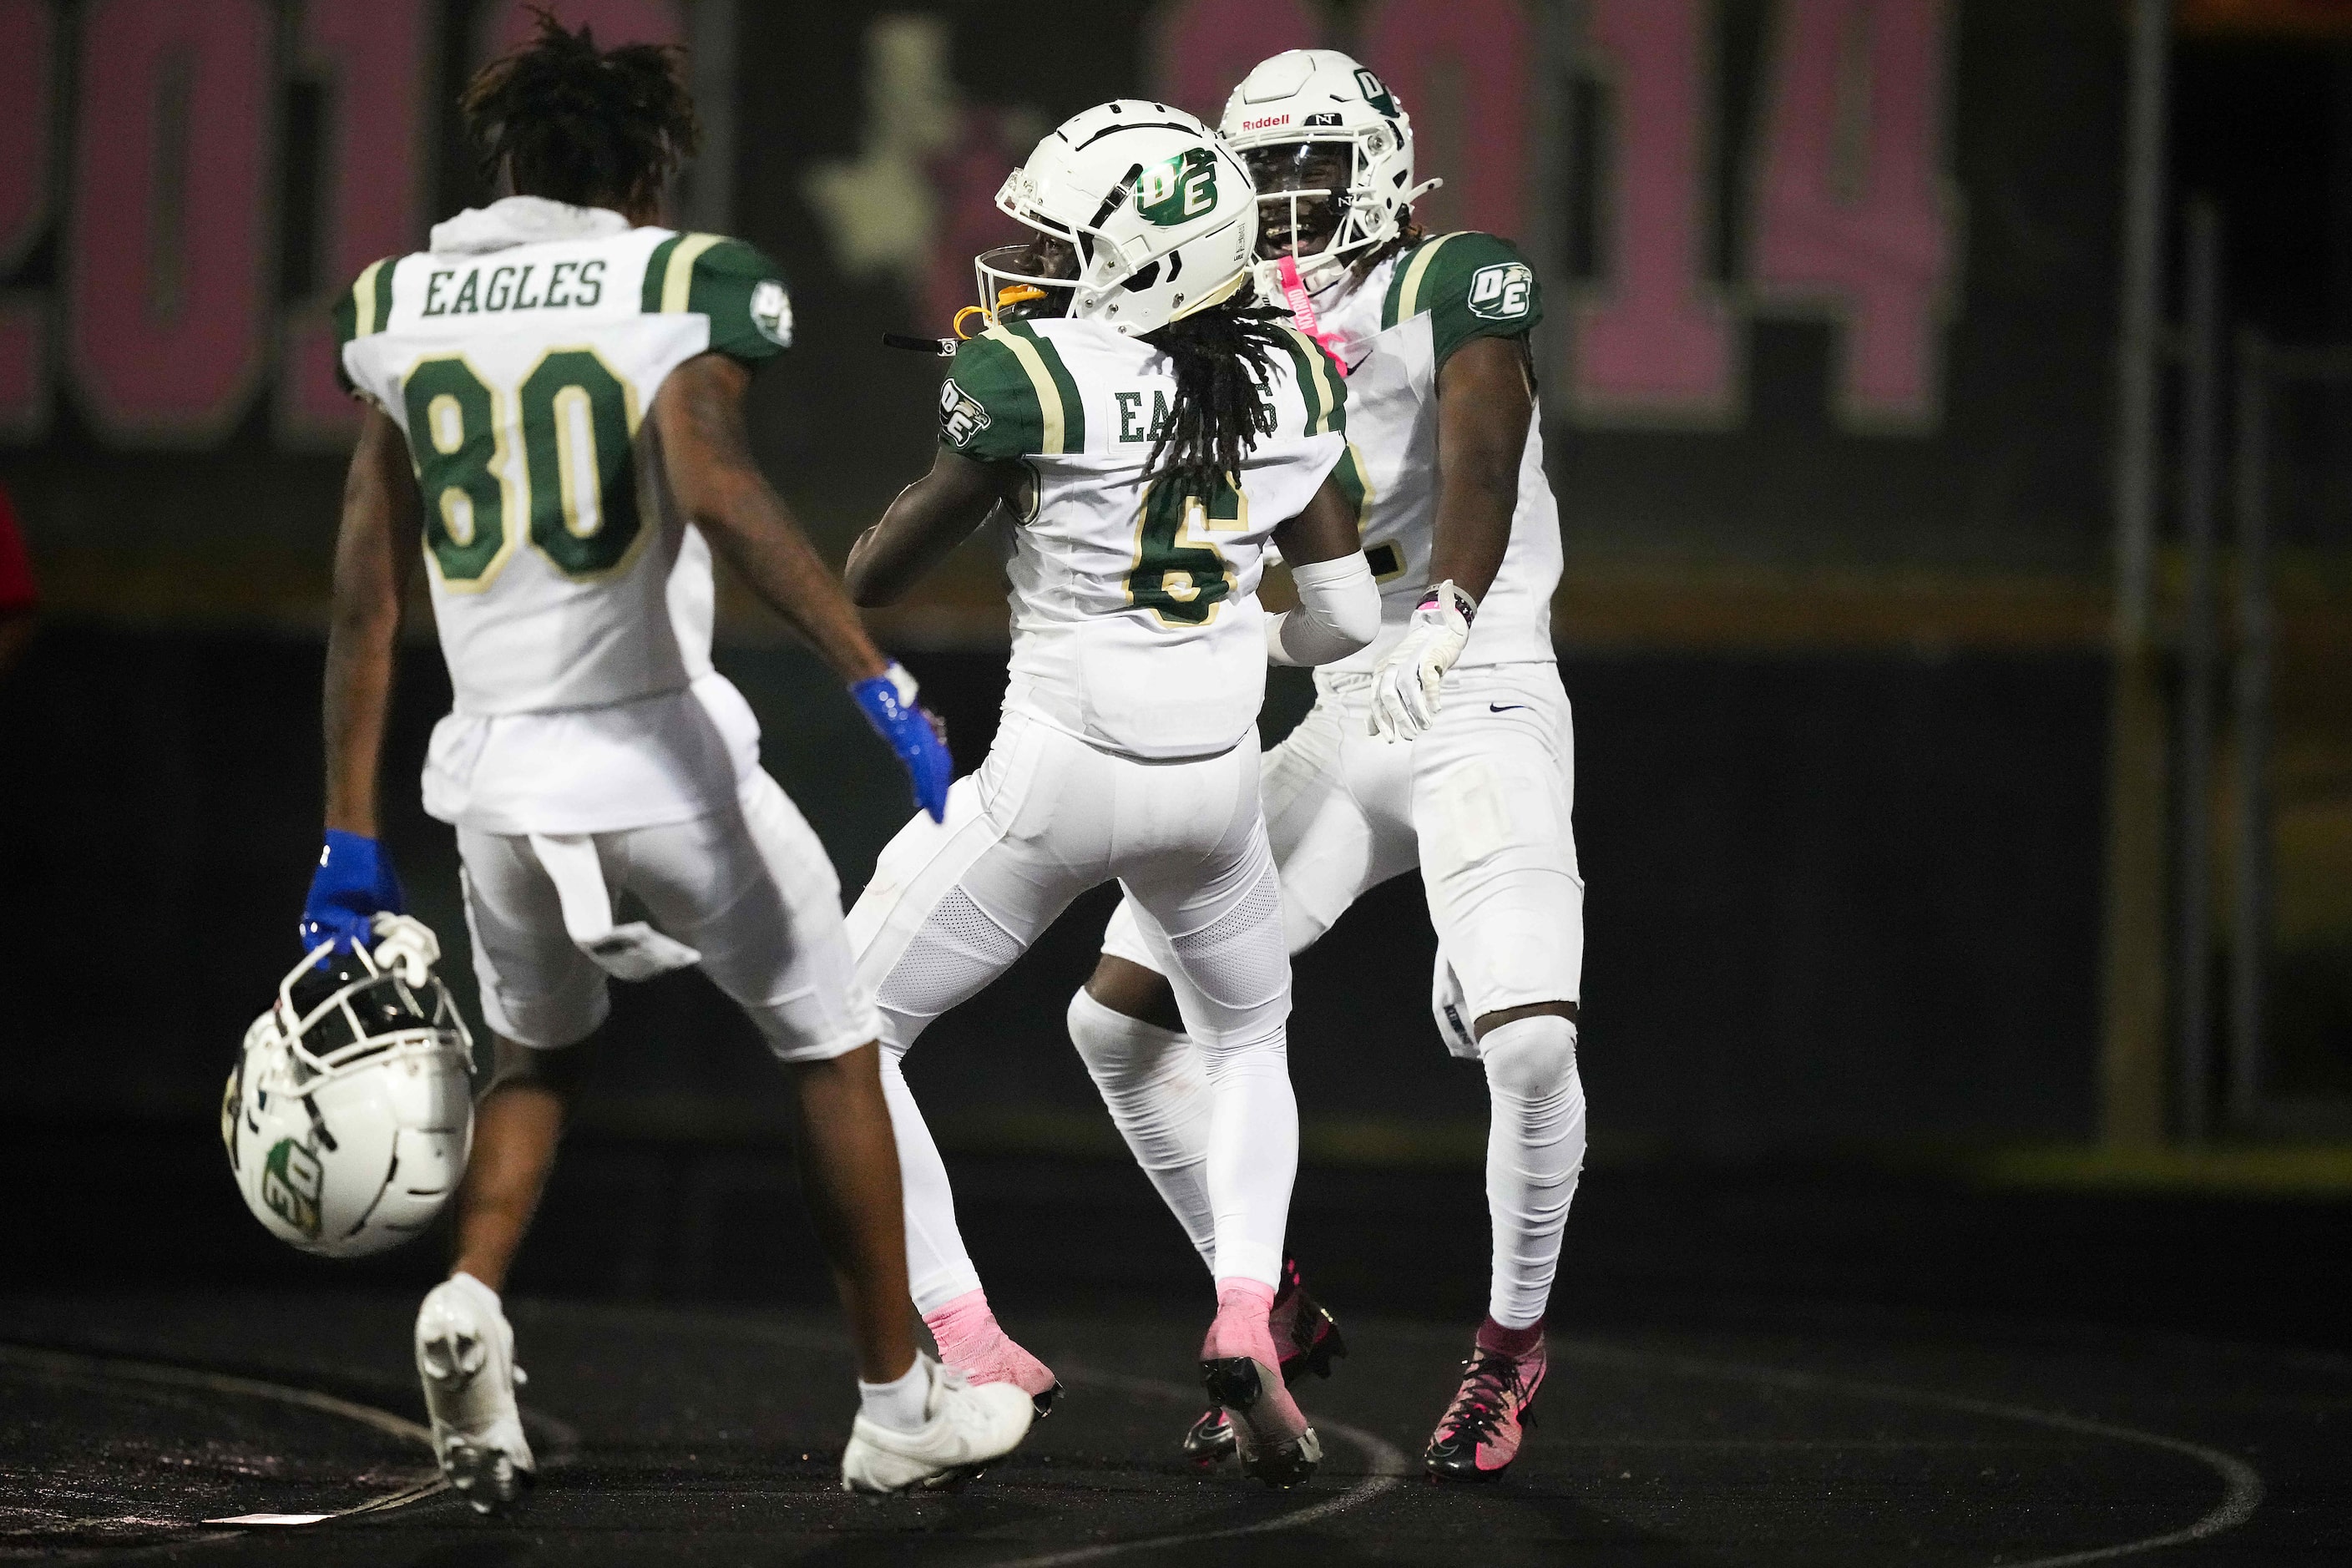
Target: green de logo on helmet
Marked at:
291, 1184
1178, 190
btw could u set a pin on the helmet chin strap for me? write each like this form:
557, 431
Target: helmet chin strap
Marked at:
1302, 311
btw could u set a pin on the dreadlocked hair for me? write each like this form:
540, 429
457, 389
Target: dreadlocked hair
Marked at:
1225, 364
580, 125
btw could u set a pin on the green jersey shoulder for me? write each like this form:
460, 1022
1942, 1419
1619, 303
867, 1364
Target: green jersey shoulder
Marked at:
728, 280
1010, 394
1470, 285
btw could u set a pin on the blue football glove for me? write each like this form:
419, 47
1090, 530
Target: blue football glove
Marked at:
353, 883
890, 707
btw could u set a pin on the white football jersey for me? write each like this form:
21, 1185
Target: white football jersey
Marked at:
520, 368
1395, 327
1136, 624
520, 357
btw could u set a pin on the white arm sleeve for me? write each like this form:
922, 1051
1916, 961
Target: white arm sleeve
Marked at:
1339, 612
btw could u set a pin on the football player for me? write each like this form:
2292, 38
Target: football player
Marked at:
554, 418
1445, 745
1140, 430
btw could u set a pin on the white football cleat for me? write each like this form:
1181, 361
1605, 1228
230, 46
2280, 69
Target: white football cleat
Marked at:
464, 1355
966, 1428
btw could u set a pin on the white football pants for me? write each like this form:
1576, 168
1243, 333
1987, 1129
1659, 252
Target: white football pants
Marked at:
1045, 818
1480, 803
751, 891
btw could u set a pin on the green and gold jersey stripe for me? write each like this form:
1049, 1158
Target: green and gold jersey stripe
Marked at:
366, 305
1404, 301
1317, 386
1354, 483
1061, 416
669, 272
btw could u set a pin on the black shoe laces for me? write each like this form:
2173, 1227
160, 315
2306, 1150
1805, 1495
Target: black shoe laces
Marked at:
1489, 1379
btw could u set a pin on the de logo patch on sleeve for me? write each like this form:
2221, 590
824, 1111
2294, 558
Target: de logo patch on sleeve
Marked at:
771, 312
1499, 294
962, 418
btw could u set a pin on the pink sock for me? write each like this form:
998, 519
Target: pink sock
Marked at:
1492, 1336
1240, 1327
964, 1323
971, 1342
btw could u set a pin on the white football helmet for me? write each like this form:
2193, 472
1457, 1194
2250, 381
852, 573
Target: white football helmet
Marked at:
1143, 217
349, 1113
1331, 152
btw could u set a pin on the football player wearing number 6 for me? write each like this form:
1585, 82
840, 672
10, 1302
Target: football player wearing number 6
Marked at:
1140, 429
554, 414
1445, 745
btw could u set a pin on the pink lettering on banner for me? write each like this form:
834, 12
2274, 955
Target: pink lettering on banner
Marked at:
372, 55
1463, 70
1655, 345
1199, 50
27, 42
1854, 214
165, 264
28, 35
614, 22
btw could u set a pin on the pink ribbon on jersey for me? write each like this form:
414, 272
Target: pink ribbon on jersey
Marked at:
1302, 311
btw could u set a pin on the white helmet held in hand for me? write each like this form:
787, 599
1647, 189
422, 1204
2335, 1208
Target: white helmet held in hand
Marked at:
349, 1113
1331, 152
1142, 217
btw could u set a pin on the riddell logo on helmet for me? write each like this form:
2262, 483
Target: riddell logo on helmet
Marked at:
1268, 123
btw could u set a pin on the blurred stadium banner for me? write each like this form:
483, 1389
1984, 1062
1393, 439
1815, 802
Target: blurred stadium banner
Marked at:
1831, 281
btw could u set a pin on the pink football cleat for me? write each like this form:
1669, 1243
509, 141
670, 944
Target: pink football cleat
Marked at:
1480, 1433
1309, 1342
1238, 1365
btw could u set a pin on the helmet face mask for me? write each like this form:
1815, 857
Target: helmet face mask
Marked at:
1027, 280
1331, 152
1141, 216
349, 1115
1302, 193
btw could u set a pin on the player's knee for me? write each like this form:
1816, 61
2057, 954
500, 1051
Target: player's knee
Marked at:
1531, 1057
1115, 1047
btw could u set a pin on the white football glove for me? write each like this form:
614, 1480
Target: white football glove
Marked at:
407, 945
1404, 686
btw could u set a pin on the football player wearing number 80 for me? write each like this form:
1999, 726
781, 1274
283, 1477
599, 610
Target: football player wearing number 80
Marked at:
1141, 428
1445, 745
554, 418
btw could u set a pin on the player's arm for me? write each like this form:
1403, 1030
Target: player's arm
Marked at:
375, 549
707, 453
1339, 605
698, 420
1484, 393
929, 518
1482, 301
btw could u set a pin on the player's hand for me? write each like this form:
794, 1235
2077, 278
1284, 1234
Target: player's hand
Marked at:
912, 731
407, 945
354, 884
1404, 686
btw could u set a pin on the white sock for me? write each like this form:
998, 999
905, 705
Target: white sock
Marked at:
897, 1405
1151, 1081
1535, 1148
938, 1269
1253, 1157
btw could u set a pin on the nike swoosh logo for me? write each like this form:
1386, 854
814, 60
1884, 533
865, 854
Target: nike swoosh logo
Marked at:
1507, 707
